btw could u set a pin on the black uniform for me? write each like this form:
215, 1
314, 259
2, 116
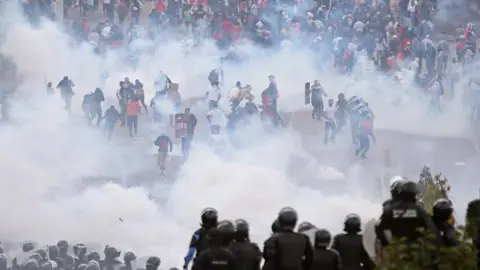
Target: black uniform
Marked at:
218, 256
288, 250
404, 217
200, 241
442, 212
269, 242
247, 253
350, 247
352, 252
395, 189
323, 257
215, 258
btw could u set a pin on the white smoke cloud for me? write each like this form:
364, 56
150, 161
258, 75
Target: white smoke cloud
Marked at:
48, 154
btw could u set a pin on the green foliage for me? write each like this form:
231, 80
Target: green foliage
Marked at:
432, 187
424, 255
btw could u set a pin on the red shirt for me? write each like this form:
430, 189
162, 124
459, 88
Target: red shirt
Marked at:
236, 33
160, 6
133, 108
227, 27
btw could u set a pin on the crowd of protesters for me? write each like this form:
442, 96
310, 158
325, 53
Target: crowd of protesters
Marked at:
395, 35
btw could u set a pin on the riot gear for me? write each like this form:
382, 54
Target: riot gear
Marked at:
352, 223
305, 226
287, 218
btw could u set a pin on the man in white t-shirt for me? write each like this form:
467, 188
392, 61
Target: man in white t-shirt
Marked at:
216, 118
330, 124
213, 96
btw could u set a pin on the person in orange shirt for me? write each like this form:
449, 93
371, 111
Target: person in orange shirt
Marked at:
133, 109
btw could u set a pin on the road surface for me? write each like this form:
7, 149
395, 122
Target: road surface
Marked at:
393, 153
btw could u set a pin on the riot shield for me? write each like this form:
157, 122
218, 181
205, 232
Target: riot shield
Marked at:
307, 93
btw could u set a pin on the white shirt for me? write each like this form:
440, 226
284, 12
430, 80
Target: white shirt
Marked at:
213, 93
330, 112
106, 31
234, 92
217, 118
335, 43
358, 26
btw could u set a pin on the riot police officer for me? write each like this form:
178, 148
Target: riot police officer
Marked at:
404, 218
248, 253
217, 256
199, 241
395, 188
442, 212
350, 247
276, 229
325, 258
309, 230
300, 252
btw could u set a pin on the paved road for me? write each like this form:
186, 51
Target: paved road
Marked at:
393, 153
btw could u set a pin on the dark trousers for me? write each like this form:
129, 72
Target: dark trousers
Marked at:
132, 123
95, 112
212, 103
142, 101
109, 126
317, 110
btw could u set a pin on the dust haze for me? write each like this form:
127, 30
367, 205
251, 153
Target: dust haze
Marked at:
47, 154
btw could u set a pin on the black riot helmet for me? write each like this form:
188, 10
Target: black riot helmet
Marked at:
305, 226
352, 224
408, 191
62, 246
209, 218
287, 218
226, 230
396, 186
80, 250
129, 256
153, 263
93, 256
28, 246
323, 238
276, 226
242, 230
442, 209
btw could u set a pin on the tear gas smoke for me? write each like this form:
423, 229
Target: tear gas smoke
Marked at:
47, 154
